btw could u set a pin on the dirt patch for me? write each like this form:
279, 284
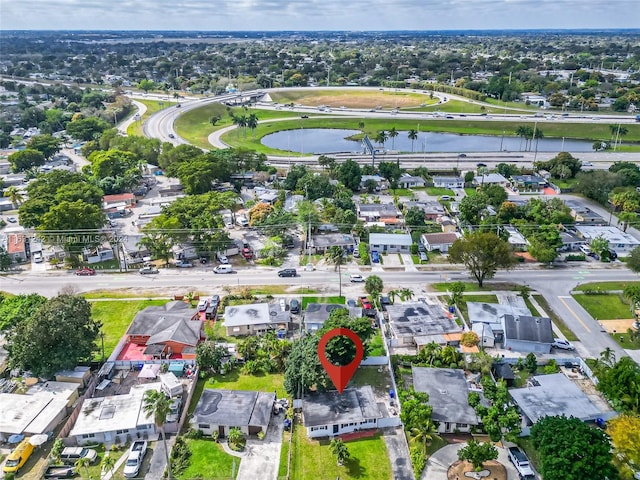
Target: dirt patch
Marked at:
458, 470
357, 99
618, 325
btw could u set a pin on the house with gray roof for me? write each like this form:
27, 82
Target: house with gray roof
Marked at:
431, 209
490, 314
329, 414
170, 330
418, 323
438, 241
386, 213
524, 333
490, 179
315, 314
321, 243
221, 410
255, 319
448, 392
410, 181
448, 182
390, 242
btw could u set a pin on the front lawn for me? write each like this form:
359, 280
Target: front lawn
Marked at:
473, 286
238, 381
439, 191
209, 460
558, 322
624, 340
334, 299
604, 307
604, 286
312, 460
115, 317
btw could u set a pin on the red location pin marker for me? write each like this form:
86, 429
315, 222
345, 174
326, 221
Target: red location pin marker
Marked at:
340, 375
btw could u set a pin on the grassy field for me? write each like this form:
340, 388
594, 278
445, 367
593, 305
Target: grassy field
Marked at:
604, 307
116, 317
438, 191
604, 286
209, 460
376, 347
334, 299
312, 460
624, 340
353, 98
238, 381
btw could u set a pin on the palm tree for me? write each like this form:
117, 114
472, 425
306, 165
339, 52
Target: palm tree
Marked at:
393, 294
424, 433
83, 462
608, 357
14, 195
413, 136
393, 133
252, 122
361, 125
521, 131
157, 404
335, 256
406, 294
108, 462
632, 293
381, 138
339, 450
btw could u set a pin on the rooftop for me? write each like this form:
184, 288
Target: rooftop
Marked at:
233, 407
330, 239
254, 314
169, 322
390, 239
527, 328
354, 405
448, 394
614, 235
480, 312
420, 319
554, 395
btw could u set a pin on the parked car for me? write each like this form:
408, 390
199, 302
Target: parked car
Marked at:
135, 458
294, 306
423, 256
421, 247
562, 344
12, 220
60, 471
215, 301
521, 462
202, 305
148, 270
247, 253
351, 303
375, 256
223, 269
18, 457
288, 272
222, 258
174, 410
357, 278
70, 455
184, 264
86, 271
365, 303
37, 257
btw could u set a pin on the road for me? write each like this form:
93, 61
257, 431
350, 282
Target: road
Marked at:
554, 284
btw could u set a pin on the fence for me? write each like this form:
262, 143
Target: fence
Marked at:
91, 387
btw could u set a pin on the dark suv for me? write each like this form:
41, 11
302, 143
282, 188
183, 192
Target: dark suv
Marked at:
288, 272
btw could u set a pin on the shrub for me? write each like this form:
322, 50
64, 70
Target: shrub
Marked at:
418, 460
180, 456
551, 367
575, 258
195, 434
469, 339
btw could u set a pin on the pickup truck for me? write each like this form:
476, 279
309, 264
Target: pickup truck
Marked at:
60, 471
521, 462
134, 460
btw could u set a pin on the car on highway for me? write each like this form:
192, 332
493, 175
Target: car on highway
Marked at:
562, 344
479, 165
171, 135
587, 164
288, 272
223, 269
304, 116
356, 278
148, 270
85, 272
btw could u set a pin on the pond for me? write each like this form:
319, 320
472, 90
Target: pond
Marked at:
326, 140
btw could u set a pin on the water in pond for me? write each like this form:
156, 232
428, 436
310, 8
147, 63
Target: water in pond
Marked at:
326, 140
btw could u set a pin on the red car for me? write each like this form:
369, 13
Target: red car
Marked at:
247, 253
365, 302
86, 271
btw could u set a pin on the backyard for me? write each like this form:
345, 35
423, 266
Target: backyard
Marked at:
208, 460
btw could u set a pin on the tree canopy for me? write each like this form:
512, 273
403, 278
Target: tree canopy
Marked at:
56, 336
483, 254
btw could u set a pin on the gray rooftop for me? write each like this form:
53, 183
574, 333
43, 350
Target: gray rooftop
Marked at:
427, 207
490, 178
254, 314
354, 405
448, 394
491, 313
233, 408
330, 239
419, 319
390, 239
554, 395
527, 328
171, 321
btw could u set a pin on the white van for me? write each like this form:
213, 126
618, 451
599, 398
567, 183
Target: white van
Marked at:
585, 249
242, 221
37, 257
223, 269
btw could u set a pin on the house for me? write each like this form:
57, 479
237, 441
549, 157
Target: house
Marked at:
570, 240
620, 242
126, 200
448, 392
115, 419
553, 395
486, 336
221, 410
172, 330
448, 182
490, 179
386, 213
330, 413
316, 314
447, 224
432, 210
490, 314
99, 254
415, 324
390, 242
410, 181
516, 239
583, 214
321, 243
380, 182
503, 371
255, 319
438, 241
184, 251
40, 410
524, 333
15, 246
528, 183
133, 249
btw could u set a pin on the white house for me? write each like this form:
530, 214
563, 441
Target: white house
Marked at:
390, 242
448, 182
438, 241
410, 181
620, 242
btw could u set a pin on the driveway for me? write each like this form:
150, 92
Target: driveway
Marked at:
398, 453
439, 463
261, 458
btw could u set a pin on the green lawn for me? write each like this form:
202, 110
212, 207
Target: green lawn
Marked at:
473, 286
566, 331
209, 460
380, 382
333, 299
604, 286
604, 307
284, 456
238, 381
438, 191
624, 340
376, 346
116, 317
312, 460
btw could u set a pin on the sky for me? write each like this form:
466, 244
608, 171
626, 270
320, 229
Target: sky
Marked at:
360, 15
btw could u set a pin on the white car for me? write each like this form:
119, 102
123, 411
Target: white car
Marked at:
222, 259
562, 344
356, 278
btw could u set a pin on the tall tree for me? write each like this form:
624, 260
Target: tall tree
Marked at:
478, 453
633, 260
56, 336
393, 133
335, 256
413, 136
26, 159
349, 174
14, 195
373, 285
46, 144
156, 404
483, 254
624, 431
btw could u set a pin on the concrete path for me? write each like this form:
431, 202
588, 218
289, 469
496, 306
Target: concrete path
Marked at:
407, 259
262, 457
398, 453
